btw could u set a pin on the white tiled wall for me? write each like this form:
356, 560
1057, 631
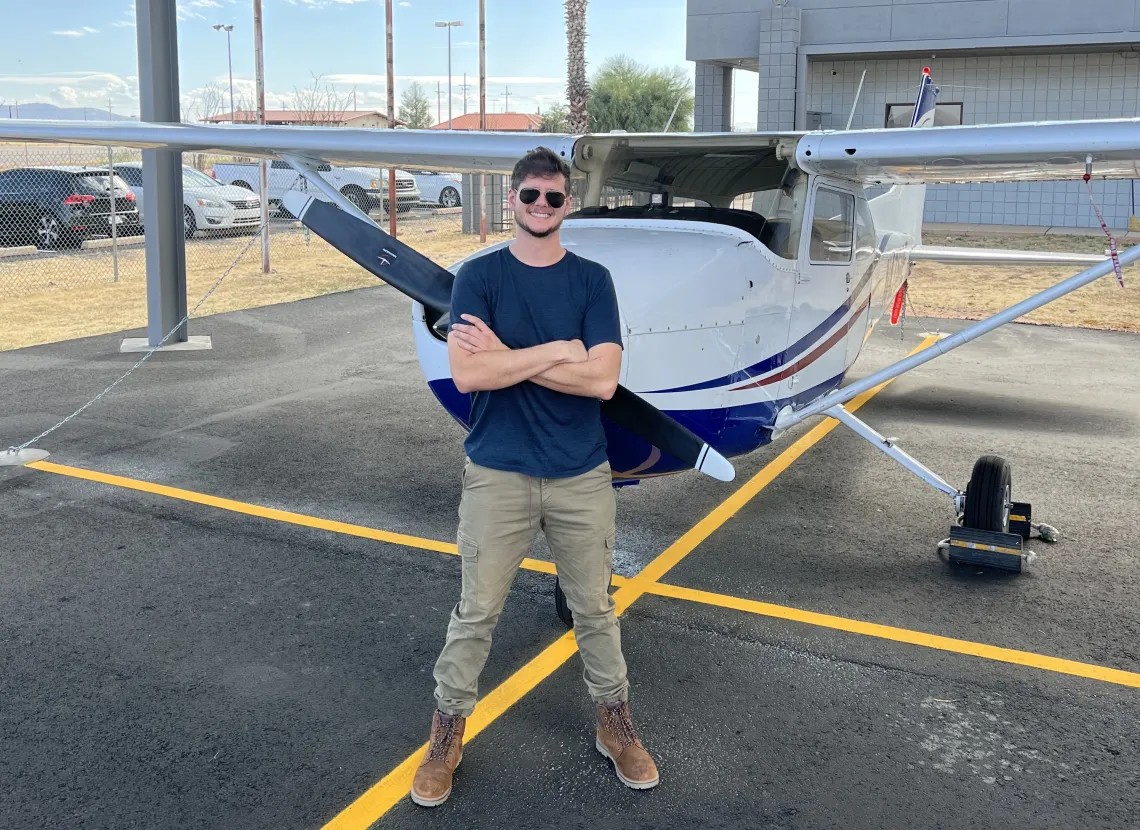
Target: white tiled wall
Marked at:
997, 90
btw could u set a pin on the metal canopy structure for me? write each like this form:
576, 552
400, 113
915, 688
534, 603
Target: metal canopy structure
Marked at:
157, 33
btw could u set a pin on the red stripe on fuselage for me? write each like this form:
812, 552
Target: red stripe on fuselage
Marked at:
812, 357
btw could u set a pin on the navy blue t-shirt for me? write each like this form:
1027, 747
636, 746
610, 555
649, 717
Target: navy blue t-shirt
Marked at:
527, 428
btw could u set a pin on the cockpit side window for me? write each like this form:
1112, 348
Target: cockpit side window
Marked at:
832, 226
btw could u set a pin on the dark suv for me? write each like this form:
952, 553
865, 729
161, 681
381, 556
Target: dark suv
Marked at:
61, 206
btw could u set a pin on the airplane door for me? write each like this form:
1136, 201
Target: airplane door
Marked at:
863, 279
821, 314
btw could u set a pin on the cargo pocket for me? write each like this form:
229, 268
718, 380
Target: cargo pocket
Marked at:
611, 536
469, 556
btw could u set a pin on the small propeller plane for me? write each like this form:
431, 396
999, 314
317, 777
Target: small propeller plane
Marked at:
739, 322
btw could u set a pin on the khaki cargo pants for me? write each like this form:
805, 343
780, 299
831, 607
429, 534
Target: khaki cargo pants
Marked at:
499, 516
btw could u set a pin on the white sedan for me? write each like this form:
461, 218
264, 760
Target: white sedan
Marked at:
207, 203
443, 189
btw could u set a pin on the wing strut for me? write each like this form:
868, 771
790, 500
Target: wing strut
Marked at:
789, 417
308, 169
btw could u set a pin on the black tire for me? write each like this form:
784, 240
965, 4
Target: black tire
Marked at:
357, 197
49, 233
989, 494
243, 184
449, 197
189, 222
561, 606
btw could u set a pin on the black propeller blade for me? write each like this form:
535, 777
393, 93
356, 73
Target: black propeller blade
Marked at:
413, 274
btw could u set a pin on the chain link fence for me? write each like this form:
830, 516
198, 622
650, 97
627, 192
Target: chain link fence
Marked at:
72, 252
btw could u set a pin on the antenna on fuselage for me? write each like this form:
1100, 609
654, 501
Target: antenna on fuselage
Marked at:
855, 103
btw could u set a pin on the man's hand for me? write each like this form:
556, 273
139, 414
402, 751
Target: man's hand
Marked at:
476, 337
576, 351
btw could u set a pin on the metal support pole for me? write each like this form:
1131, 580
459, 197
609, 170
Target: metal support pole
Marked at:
391, 80
449, 77
259, 70
788, 418
157, 42
230, 58
482, 115
114, 224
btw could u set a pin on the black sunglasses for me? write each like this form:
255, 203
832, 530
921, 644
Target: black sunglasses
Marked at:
554, 198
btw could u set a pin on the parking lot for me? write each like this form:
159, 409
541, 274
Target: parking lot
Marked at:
227, 587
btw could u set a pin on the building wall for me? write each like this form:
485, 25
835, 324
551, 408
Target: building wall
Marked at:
1063, 67
996, 90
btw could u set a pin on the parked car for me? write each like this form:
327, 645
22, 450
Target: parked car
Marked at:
366, 187
206, 203
443, 189
58, 207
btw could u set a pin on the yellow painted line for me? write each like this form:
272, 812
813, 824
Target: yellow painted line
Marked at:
903, 635
247, 509
393, 787
347, 529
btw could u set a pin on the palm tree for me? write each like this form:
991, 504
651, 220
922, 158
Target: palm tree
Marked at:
577, 88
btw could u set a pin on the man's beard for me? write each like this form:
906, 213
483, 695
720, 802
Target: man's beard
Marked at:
520, 220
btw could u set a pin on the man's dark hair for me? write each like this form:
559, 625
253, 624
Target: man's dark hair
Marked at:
543, 162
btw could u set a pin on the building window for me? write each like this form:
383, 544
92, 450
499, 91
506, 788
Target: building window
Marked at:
945, 115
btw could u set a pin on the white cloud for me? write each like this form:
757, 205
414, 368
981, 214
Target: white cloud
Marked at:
70, 33
123, 24
66, 96
89, 29
404, 4
207, 4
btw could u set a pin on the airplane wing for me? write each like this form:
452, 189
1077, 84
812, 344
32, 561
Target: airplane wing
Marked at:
459, 152
979, 153
997, 256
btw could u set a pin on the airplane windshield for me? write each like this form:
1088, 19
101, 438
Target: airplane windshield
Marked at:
783, 207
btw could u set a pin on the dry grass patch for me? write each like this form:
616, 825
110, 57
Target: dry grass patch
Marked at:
975, 292
299, 271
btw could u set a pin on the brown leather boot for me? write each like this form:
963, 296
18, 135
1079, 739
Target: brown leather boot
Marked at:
432, 784
618, 742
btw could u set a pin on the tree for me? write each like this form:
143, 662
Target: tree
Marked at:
319, 106
554, 120
577, 87
415, 109
628, 96
211, 101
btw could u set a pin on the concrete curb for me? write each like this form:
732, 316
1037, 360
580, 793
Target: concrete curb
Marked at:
22, 250
89, 244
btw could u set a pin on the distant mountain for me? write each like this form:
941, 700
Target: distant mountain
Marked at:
54, 113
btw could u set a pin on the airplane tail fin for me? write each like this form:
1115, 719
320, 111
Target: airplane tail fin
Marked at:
900, 209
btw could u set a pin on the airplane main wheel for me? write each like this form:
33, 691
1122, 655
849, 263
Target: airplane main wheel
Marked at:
561, 606
989, 495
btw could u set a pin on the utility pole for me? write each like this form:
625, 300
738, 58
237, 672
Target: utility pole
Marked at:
229, 53
507, 96
465, 89
482, 115
259, 72
438, 105
391, 80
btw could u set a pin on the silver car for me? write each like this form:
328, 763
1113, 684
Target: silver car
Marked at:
207, 203
443, 189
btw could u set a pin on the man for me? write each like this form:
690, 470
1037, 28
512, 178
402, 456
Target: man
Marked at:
535, 338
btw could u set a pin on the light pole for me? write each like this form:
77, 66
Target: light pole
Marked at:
448, 25
227, 28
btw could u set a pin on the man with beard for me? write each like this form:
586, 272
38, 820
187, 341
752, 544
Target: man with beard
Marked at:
535, 338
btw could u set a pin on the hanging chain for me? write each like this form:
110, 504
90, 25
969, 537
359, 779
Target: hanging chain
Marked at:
169, 334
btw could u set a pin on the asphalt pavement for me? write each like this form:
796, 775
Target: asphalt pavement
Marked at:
169, 663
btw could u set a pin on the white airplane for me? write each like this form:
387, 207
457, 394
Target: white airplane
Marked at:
738, 323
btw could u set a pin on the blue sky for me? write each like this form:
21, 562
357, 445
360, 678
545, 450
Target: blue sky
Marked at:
82, 53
